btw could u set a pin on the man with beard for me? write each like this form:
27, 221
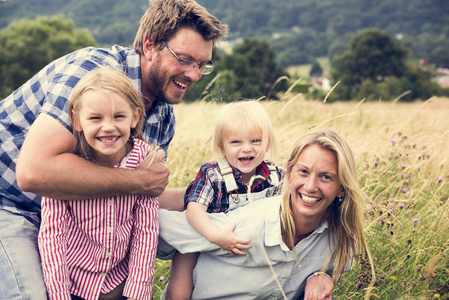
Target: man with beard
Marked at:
172, 50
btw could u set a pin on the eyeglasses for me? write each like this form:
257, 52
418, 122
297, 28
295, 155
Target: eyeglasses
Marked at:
188, 64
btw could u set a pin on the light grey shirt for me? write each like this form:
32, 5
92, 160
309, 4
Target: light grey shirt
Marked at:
218, 275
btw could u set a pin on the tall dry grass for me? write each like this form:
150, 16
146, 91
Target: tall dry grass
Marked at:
402, 152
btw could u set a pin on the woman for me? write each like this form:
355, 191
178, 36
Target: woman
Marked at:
307, 236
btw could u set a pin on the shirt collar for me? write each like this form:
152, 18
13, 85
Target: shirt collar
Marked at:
273, 236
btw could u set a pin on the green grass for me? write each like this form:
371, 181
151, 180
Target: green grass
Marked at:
402, 152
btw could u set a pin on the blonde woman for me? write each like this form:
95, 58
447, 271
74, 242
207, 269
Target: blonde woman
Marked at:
302, 241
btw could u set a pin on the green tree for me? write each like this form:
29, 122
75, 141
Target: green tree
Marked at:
316, 70
27, 46
373, 54
255, 65
248, 72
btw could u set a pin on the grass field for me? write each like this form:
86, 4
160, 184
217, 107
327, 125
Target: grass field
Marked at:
402, 152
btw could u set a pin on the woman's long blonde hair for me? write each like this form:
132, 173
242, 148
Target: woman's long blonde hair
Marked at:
345, 217
111, 81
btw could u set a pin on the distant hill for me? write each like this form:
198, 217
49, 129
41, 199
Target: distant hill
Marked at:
300, 30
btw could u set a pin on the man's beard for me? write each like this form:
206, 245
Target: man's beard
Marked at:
156, 85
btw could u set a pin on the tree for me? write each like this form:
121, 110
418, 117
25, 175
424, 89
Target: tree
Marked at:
316, 70
28, 45
373, 54
248, 72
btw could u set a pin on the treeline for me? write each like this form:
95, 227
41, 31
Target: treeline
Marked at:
298, 30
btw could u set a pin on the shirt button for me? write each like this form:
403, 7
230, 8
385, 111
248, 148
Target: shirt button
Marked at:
108, 254
109, 229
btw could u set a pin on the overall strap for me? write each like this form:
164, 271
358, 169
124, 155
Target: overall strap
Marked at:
274, 178
228, 176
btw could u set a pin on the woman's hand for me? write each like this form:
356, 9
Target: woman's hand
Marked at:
319, 287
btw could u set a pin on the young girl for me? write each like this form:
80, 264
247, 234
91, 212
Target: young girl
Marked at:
243, 135
102, 248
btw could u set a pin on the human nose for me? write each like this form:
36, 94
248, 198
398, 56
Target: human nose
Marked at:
194, 73
310, 184
108, 124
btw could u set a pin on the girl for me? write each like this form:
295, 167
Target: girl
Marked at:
243, 135
102, 248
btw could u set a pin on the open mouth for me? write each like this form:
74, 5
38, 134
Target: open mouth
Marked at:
246, 160
109, 139
180, 84
309, 200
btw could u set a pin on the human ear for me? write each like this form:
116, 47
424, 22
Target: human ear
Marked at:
148, 49
76, 122
136, 117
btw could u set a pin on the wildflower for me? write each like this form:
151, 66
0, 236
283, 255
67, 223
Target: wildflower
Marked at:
376, 163
390, 211
393, 142
162, 278
416, 220
401, 206
428, 156
407, 153
419, 267
423, 277
436, 296
404, 166
404, 190
409, 242
393, 278
414, 145
440, 179
360, 284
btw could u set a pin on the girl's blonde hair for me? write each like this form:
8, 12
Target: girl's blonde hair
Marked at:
244, 115
113, 82
345, 217
164, 17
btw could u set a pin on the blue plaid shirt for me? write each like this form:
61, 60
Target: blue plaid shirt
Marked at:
47, 92
209, 188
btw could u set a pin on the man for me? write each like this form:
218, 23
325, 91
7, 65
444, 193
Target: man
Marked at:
172, 50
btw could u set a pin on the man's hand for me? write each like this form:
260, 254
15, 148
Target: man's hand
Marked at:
319, 287
156, 171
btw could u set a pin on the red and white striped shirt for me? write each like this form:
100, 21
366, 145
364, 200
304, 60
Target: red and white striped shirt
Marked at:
90, 246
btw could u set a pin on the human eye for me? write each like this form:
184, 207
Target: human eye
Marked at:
186, 62
119, 116
93, 118
256, 141
327, 177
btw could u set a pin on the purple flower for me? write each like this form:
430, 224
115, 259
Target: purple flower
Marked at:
390, 211
360, 284
416, 220
162, 278
428, 156
401, 206
404, 166
440, 179
393, 142
376, 163
407, 153
404, 190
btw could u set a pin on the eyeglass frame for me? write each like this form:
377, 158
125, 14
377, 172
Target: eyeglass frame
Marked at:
184, 62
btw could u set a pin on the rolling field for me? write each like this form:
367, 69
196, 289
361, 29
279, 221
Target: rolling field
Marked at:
402, 153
